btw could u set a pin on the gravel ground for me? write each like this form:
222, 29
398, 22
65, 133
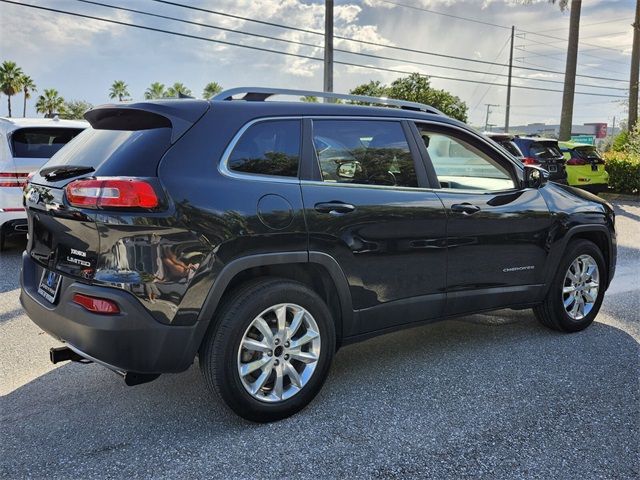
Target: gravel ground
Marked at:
483, 396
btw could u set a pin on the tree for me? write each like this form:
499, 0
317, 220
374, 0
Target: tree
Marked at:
309, 99
178, 89
10, 80
156, 90
211, 89
75, 109
50, 102
416, 88
28, 87
119, 90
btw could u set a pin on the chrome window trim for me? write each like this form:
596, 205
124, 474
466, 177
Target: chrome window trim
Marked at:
223, 167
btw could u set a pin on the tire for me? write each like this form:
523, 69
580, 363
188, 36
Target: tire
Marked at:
236, 324
552, 312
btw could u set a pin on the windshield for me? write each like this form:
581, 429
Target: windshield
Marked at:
40, 142
587, 153
545, 150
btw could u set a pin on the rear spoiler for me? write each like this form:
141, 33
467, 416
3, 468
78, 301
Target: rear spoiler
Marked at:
179, 115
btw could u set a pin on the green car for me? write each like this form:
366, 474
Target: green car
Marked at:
585, 167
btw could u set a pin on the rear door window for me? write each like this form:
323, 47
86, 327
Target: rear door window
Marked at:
364, 152
268, 148
40, 142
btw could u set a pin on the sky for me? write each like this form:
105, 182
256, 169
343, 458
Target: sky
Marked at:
81, 57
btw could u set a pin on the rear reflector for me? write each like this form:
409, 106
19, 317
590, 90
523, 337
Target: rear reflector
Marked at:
13, 179
111, 192
96, 305
7, 210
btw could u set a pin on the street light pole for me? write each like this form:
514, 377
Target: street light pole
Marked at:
328, 47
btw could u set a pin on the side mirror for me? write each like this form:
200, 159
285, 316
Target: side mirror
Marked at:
535, 177
347, 169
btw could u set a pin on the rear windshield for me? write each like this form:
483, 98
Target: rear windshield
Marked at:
40, 142
511, 147
544, 150
588, 153
116, 152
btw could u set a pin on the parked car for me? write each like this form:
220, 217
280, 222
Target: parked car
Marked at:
505, 140
261, 236
585, 167
545, 153
25, 144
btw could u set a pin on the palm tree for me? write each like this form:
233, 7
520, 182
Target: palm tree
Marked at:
28, 87
155, 90
75, 109
50, 102
10, 80
119, 90
211, 89
177, 89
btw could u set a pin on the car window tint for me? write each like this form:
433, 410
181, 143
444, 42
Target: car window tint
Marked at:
40, 142
511, 147
268, 148
460, 165
364, 152
544, 150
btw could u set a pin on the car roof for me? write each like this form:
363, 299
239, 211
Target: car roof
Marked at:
537, 139
574, 145
11, 124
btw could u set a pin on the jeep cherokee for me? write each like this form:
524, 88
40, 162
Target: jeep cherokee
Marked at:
259, 236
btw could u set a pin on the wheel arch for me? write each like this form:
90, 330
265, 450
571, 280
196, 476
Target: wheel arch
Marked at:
598, 234
317, 270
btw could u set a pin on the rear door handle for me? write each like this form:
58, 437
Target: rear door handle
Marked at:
465, 208
334, 208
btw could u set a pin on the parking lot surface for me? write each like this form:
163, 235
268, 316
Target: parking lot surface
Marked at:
483, 396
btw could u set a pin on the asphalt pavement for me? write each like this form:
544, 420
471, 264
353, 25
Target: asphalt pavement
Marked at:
493, 396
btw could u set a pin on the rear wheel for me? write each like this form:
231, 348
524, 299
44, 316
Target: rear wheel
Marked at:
575, 295
271, 349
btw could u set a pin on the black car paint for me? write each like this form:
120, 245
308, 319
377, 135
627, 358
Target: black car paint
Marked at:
402, 257
525, 145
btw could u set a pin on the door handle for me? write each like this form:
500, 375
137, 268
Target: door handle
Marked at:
334, 208
465, 208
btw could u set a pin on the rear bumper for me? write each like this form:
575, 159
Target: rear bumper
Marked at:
132, 341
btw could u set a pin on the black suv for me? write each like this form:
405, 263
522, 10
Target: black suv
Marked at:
260, 236
545, 153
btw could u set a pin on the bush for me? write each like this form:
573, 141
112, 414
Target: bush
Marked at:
624, 172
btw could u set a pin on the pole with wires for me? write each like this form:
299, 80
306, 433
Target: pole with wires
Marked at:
508, 106
328, 47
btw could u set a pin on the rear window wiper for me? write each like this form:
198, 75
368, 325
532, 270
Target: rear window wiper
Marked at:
59, 172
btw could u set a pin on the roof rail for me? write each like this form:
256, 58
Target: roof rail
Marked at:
260, 94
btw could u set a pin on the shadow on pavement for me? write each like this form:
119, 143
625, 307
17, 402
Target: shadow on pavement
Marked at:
446, 400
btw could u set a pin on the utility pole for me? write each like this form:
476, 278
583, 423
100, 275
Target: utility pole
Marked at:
486, 120
566, 117
328, 47
634, 77
613, 128
506, 115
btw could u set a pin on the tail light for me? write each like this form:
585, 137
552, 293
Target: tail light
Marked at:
13, 179
530, 161
111, 192
96, 305
577, 161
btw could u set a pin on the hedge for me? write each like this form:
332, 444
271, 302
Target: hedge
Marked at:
624, 172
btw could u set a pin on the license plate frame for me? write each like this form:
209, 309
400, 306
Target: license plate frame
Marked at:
594, 167
49, 285
553, 168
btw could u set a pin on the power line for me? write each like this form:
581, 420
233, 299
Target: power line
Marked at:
371, 67
490, 24
380, 57
374, 44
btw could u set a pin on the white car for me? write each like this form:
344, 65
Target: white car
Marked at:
25, 145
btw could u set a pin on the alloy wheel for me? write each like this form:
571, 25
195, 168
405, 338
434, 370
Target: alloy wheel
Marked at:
580, 287
279, 352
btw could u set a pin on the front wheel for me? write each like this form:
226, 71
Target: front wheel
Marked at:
271, 349
576, 293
